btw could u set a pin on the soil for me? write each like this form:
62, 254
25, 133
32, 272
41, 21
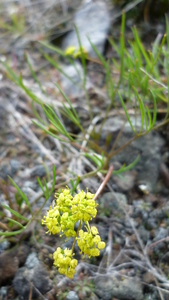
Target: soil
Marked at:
133, 210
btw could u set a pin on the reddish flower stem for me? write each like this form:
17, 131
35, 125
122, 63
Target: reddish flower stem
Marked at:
106, 179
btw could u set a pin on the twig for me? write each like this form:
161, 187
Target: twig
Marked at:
156, 81
105, 181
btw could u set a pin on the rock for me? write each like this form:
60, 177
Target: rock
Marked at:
125, 182
111, 204
93, 297
73, 87
31, 260
8, 267
151, 223
72, 296
144, 234
38, 171
5, 171
92, 20
15, 166
148, 147
159, 234
109, 286
36, 279
10, 261
160, 213
3, 292
4, 245
22, 252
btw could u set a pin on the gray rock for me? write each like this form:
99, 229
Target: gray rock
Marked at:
5, 172
151, 223
36, 277
72, 296
109, 286
144, 234
160, 213
93, 297
15, 166
3, 292
92, 20
148, 147
32, 260
126, 182
160, 233
4, 245
73, 86
112, 204
38, 171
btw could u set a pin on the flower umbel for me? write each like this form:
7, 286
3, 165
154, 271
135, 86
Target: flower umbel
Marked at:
61, 219
64, 261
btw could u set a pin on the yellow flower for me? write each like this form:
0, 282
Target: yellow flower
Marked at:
70, 51
52, 220
64, 261
94, 230
101, 245
83, 207
90, 242
62, 217
81, 51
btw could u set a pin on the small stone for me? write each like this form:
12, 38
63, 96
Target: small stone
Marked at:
36, 278
112, 204
160, 233
3, 292
31, 261
109, 286
15, 166
144, 234
8, 267
93, 297
125, 183
38, 171
151, 223
72, 296
74, 86
4, 245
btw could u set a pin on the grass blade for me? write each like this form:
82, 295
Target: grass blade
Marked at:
15, 222
126, 112
12, 233
21, 193
15, 213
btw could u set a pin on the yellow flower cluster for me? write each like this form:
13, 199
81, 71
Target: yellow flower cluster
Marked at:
90, 242
62, 217
64, 261
75, 53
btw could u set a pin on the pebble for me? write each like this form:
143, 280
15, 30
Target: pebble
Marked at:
112, 204
73, 87
15, 166
160, 233
31, 260
151, 223
39, 278
109, 286
4, 245
72, 296
144, 234
3, 292
10, 261
38, 171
